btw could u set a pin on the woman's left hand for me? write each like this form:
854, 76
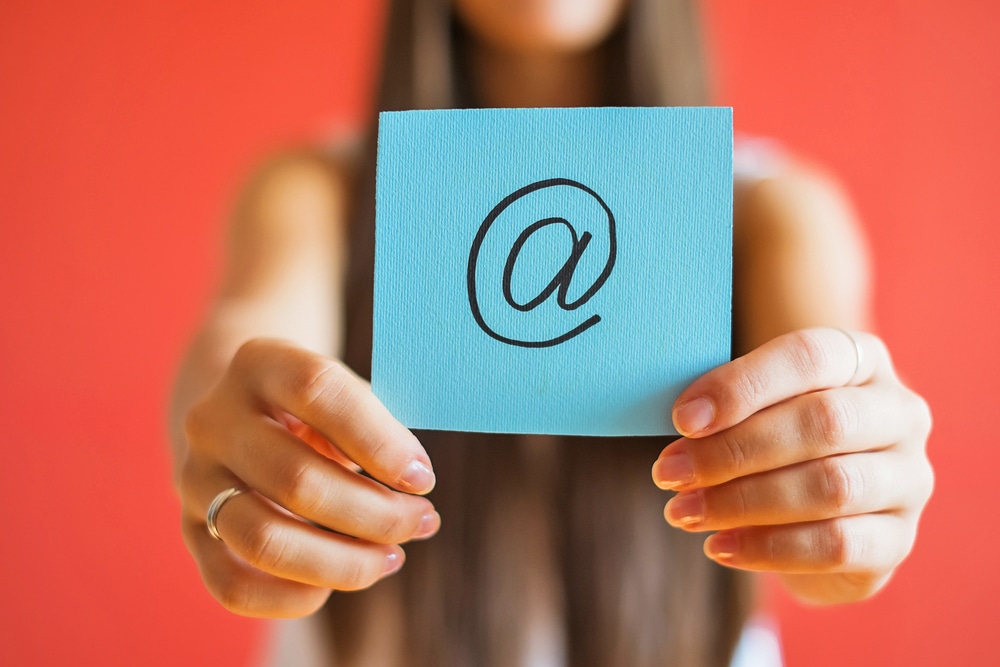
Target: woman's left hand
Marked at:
808, 456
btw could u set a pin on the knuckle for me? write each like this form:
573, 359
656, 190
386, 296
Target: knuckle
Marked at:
833, 419
246, 357
843, 485
748, 388
809, 352
186, 480
302, 488
379, 448
926, 481
359, 573
734, 452
844, 547
264, 547
904, 546
198, 424
742, 503
931, 481
323, 384
770, 549
923, 419
396, 526
191, 530
881, 350
234, 593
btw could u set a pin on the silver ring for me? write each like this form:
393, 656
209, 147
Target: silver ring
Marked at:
216, 505
859, 357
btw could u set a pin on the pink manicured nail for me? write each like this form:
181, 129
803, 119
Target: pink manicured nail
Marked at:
687, 509
429, 524
393, 561
673, 470
694, 416
417, 478
722, 545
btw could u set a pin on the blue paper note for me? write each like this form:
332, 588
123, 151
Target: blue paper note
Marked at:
562, 271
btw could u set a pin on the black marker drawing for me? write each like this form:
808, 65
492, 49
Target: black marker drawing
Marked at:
559, 283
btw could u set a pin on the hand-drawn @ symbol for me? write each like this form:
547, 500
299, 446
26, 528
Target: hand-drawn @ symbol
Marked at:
560, 283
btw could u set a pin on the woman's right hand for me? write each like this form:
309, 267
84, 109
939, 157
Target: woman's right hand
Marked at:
296, 429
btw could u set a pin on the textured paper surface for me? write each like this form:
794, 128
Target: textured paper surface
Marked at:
564, 271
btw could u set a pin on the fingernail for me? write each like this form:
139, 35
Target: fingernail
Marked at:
722, 545
673, 470
417, 478
694, 416
393, 561
429, 524
686, 509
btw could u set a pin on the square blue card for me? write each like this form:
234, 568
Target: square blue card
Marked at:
563, 271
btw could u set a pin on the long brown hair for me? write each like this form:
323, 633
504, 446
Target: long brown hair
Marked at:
573, 522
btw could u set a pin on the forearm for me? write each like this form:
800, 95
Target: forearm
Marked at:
800, 260
284, 278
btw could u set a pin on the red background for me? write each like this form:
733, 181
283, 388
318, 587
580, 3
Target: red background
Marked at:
125, 130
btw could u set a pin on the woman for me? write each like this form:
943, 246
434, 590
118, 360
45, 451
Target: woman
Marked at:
806, 453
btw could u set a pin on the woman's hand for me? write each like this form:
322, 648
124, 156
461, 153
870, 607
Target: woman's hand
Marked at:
807, 455
295, 429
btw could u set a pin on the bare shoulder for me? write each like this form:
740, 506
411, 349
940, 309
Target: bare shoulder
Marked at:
296, 178
290, 223
800, 256
801, 198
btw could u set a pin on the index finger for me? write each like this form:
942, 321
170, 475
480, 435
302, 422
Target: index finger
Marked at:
333, 400
795, 363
